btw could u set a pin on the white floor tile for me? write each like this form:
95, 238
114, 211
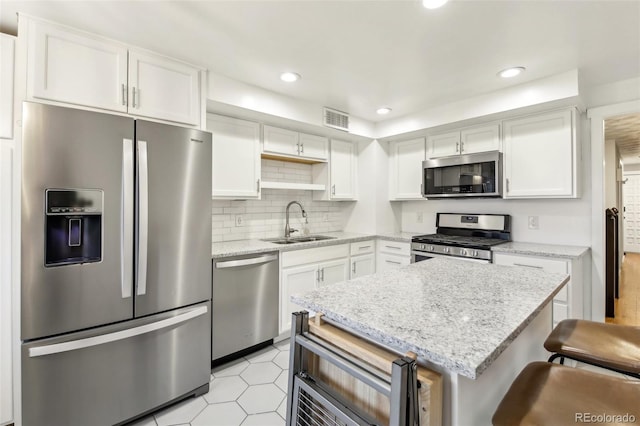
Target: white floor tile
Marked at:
283, 380
183, 412
282, 360
266, 419
231, 369
224, 414
263, 355
225, 389
147, 421
283, 345
282, 409
261, 398
264, 372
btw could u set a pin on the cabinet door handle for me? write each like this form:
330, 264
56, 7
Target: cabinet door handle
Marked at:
318, 275
394, 247
528, 266
134, 97
322, 274
333, 190
457, 146
507, 185
392, 261
258, 185
461, 147
298, 148
302, 148
363, 247
124, 95
353, 268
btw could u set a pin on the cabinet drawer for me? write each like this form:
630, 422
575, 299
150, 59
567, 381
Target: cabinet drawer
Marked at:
314, 255
548, 265
362, 247
393, 247
386, 261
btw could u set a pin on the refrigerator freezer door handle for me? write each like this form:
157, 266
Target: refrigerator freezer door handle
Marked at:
73, 345
143, 217
126, 233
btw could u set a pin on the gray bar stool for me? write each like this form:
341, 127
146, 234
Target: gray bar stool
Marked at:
552, 394
611, 346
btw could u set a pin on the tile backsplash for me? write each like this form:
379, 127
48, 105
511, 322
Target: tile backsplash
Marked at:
265, 218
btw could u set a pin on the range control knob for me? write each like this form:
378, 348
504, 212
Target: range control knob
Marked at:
430, 248
463, 252
475, 253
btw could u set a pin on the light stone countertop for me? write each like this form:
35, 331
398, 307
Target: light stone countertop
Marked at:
456, 314
545, 250
242, 247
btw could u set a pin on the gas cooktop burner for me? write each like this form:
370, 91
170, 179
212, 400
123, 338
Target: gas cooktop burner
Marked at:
468, 236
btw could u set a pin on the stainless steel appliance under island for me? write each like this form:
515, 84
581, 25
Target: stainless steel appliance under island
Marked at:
476, 324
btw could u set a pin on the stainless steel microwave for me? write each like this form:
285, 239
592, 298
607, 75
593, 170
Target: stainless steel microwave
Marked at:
458, 176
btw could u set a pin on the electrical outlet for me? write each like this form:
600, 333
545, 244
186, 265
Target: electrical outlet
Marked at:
239, 220
325, 217
533, 222
419, 217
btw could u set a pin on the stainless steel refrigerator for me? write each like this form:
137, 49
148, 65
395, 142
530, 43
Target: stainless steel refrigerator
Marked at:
115, 264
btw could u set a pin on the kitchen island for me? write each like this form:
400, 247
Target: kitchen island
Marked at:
476, 324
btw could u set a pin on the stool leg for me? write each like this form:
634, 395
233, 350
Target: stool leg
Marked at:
554, 356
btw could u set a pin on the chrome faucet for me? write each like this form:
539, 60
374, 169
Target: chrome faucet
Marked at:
287, 229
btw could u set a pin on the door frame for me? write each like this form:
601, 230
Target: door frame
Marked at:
596, 117
623, 211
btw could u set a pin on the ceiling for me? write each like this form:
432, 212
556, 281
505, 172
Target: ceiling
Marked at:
356, 56
625, 130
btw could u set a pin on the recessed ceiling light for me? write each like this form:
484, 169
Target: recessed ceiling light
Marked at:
511, 72
383, 110
290, 77
433, 4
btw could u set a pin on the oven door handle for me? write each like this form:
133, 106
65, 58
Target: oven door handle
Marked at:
434, 255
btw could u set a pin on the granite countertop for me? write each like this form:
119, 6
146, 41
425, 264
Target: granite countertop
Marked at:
240, 247
456, 314
546, 250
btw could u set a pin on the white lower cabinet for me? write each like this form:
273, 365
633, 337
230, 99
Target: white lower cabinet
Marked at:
392, 254
568, 303
306, 270
363, 258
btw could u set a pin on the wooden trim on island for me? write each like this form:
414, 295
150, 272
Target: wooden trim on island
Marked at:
363, 396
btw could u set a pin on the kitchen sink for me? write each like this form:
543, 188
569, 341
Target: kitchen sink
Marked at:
294, 240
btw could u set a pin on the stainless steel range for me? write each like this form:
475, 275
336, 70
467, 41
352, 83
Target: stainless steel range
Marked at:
464, 236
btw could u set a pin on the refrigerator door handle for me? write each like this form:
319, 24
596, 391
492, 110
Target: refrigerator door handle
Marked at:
126, 235
88, 342
143, 217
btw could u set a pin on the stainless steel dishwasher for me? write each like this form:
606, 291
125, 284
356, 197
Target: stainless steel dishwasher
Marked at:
245, 302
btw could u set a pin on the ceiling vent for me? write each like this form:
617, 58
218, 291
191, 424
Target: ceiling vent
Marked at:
336, 119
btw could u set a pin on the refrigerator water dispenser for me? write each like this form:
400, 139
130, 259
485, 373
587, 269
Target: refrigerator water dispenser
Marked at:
73, 226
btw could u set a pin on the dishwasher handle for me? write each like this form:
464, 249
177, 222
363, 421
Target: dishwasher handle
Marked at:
245, 262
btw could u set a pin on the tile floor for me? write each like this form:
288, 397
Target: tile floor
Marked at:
249, 391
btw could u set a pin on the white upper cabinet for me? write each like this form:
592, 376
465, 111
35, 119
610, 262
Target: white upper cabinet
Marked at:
236, 157
540, 156
312, 146
343, 164
480, 139
160, 87
464, 141
288, 143
79, 68
405, 169
443, 145
7, 49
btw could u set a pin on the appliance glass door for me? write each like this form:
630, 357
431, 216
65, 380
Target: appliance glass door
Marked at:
77, 220
173, 247
476, 178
